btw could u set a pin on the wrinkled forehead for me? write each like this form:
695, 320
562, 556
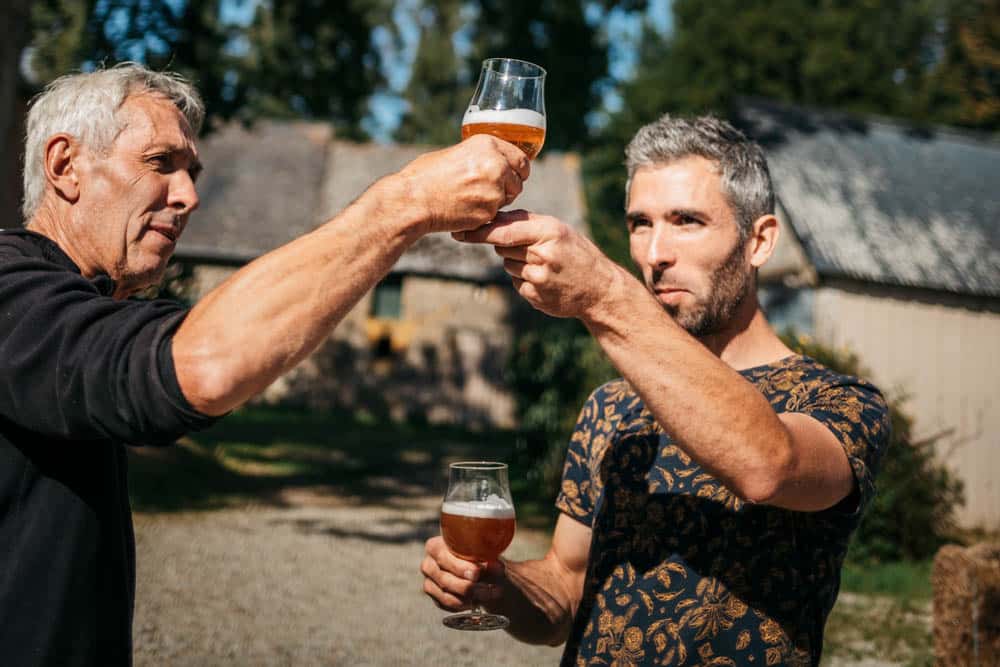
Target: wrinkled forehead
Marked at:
150, 118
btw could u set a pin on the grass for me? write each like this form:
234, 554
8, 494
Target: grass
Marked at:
883, 613
257, 454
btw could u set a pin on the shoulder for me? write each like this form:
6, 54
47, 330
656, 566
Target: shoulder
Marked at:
616, 392
801, 378
18, 243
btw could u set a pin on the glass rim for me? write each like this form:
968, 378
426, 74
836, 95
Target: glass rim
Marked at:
488, 63
477, 465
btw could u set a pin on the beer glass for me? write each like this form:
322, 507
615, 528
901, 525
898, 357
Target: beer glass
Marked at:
509, 103
477, 524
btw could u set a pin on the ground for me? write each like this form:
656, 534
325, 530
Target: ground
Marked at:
295, 539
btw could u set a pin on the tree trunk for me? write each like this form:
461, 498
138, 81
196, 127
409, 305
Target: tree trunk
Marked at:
14, 15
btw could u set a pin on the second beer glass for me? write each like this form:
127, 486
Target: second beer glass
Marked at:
477, 524
509, 103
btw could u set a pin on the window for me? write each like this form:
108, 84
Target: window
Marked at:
387, 300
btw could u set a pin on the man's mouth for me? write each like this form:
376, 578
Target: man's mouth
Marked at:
172, 233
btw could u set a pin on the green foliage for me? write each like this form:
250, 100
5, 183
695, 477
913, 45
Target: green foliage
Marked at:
313, 59
555, 34
554, 365
913, 512
436, 94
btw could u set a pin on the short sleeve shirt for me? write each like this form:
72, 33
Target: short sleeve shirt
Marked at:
681, 570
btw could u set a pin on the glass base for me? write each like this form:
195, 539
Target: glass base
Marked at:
476, 621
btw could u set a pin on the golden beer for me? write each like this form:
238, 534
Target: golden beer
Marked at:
476, 532
522, 127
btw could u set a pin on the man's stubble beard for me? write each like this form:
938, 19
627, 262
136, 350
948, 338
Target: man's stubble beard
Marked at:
728, 287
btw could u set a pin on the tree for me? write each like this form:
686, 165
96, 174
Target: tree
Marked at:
14, 15
315, 59
965, 86
555, 34
436, 93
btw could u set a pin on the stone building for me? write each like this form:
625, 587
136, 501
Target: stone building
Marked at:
891, 248
431, 341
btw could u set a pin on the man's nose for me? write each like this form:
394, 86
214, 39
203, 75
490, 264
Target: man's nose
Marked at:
183, 196
662, 250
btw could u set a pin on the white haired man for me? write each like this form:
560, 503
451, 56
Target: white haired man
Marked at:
110, 173
709, 496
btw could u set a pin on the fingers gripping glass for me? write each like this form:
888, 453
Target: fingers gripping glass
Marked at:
509, 103
477, 524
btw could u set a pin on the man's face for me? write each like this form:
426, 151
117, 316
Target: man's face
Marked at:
684, 237
135, 199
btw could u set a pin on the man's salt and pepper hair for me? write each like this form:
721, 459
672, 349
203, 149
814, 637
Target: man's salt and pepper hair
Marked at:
86, 106
746, 181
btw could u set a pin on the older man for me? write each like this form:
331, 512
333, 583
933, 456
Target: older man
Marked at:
708, 497
110, 171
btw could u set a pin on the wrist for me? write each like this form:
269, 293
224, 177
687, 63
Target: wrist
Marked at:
394, 203
608, 310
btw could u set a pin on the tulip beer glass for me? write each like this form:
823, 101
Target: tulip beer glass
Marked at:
509, 103
477, 524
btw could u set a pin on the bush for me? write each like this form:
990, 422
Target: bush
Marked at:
913, 512
556, 364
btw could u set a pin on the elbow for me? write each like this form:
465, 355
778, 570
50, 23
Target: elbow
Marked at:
206, 385
765, 481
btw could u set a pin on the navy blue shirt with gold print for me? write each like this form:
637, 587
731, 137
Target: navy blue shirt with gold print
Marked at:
681, 571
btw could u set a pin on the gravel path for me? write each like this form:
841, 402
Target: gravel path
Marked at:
320, 582
314, 584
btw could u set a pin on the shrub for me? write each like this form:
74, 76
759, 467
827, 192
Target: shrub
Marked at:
556, 364
913, 512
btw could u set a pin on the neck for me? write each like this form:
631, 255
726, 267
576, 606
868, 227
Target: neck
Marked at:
748, 340
55, 225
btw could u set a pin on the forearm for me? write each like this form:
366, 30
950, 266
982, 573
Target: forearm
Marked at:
272, 313
540, 599
714, 414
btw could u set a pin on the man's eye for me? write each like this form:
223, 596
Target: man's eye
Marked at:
688, 220
159, 161
635, 223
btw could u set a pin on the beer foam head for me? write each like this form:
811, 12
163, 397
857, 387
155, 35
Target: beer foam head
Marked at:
527, 117
494, 507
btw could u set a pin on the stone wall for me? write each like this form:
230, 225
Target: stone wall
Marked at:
441, 361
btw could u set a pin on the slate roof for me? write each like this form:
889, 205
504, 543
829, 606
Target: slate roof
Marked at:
876, 201
263, 188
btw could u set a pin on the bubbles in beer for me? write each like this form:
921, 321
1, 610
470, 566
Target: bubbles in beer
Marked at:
524, 128
526, 117
493, 507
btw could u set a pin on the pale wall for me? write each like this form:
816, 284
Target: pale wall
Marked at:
944, 353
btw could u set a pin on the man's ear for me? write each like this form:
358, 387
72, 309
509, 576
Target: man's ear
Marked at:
62, 155
763, 240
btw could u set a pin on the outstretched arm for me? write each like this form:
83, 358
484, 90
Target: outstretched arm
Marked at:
272, 313
719, 418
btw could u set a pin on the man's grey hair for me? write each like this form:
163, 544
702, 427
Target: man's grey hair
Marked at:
746, 181
86, 106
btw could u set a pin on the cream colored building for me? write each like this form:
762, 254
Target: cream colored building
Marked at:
891, 248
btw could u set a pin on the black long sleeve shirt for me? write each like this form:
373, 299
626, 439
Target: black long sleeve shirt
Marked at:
81, 376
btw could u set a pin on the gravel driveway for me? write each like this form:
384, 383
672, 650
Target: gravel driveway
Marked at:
317, 583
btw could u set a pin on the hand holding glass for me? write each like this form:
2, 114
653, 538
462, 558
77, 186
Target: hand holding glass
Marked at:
509, 103
477, 524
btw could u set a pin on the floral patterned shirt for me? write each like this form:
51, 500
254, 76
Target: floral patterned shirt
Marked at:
681, 571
